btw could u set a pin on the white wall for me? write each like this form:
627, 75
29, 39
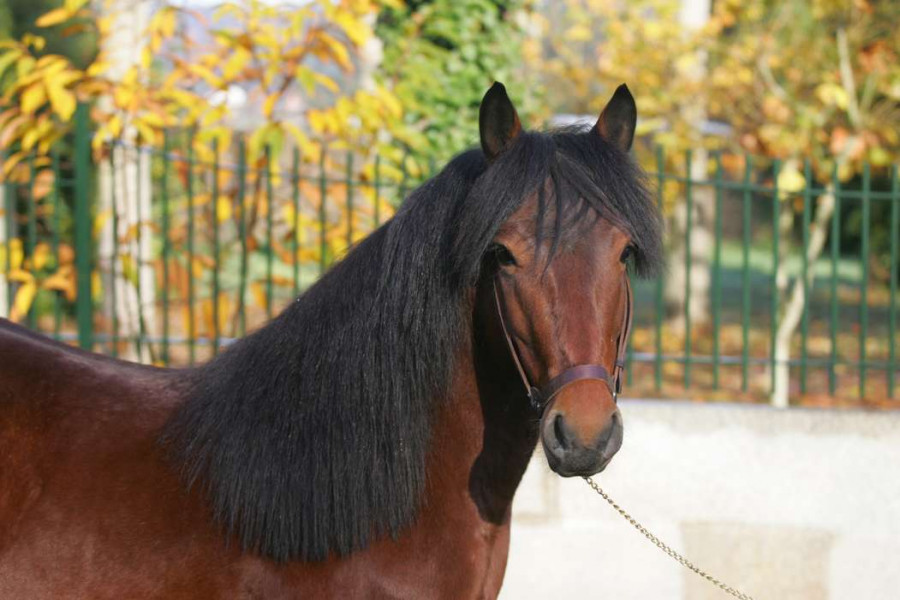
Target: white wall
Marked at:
780, 504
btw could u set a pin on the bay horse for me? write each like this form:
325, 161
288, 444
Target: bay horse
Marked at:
369, 440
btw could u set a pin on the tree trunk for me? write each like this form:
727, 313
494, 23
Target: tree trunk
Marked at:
793, 311
818, 233
687, 290
678, 296
126, 254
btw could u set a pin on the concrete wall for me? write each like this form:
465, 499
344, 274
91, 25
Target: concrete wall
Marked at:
799, 504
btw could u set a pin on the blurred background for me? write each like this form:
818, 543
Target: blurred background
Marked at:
174, 172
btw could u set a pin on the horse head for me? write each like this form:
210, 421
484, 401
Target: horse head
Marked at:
555, 279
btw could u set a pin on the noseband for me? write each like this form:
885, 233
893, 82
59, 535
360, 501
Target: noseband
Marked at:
541, 397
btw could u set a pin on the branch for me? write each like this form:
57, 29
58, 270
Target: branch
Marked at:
769, 78
847, 78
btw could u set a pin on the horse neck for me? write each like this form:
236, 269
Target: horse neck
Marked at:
484, 435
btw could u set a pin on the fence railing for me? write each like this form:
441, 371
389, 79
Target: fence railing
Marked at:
164, 256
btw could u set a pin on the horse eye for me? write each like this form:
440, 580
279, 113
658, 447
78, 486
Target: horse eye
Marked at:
502, 255
627, 253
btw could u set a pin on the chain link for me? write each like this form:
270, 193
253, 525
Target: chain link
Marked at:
662, 546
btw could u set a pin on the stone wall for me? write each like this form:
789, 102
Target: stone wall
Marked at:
800, 504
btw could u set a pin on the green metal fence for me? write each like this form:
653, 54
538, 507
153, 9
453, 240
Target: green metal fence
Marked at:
164, 256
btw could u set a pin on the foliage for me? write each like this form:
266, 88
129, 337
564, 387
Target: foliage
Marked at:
790, 78
269, 51
809, 79
76, 41
296, 65
592, 46
441, 55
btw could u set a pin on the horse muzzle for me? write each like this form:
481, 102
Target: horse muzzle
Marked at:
580, 440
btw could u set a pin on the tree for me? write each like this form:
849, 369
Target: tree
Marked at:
816, 80
793, 79
440, 56
171, 83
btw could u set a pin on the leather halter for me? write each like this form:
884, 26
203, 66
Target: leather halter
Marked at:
541, 397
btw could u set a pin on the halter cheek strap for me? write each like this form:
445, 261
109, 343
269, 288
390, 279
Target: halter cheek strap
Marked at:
540, 397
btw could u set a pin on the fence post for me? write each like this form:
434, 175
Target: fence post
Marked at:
83, 302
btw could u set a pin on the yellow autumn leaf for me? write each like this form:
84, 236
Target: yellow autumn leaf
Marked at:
356, 29
22, 302
390, 101
197, 267
147, 53
54, 17
32, 98
337, 51
236, 63
8, 58
43, 184
41, 256
129, 272
61, 100
200, 200
20, 276
74, 5
35, 41
147, 134
187, 317
224, 307
31, 137
169, 19
205, 74
206, 312
114, 126
326, 82
281, 280
67, 77
289, 215
259, 295
100, 222
96, 286
224, 310
24, 66
318, 120
62, 281
97, 68
832, 94
16, 254
223, 208
790, 180
579, 32
153, 119
269, 104
51, 64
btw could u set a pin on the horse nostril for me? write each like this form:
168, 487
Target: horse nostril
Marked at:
560, 432
611, 438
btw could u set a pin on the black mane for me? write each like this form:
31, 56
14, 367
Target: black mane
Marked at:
310, 435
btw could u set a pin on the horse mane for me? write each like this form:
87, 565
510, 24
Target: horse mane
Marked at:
310, 435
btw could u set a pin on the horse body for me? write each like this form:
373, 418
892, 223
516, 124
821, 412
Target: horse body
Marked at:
368, 441
116, 515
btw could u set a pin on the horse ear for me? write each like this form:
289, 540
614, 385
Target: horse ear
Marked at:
617, 121
498, 122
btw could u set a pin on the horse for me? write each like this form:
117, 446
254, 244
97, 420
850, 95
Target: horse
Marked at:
369, 440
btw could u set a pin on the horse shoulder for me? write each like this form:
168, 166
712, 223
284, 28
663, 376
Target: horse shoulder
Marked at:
60, 406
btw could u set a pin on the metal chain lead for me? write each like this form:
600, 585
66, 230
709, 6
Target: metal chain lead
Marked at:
662, 546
